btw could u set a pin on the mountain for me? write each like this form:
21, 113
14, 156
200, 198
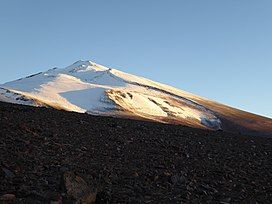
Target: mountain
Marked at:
88, 87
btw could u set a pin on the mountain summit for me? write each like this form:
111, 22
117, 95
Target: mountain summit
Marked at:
88, 87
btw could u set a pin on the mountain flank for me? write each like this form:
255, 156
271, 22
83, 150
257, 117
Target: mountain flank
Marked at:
45, 151
87, 87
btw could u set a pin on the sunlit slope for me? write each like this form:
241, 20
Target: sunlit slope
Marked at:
89, 87
236, 120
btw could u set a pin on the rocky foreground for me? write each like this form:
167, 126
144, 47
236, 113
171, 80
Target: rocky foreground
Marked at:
50, 156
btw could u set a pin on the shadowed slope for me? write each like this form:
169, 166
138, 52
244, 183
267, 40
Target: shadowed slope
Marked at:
128, 161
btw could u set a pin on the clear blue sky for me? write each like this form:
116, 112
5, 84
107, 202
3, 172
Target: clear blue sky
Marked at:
219, 49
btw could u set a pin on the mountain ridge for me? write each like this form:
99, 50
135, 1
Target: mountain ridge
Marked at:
88, 87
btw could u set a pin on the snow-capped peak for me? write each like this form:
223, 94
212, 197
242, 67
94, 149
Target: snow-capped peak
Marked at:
83, 66
86, 86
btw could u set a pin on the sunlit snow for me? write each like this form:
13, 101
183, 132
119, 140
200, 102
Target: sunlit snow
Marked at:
89, 87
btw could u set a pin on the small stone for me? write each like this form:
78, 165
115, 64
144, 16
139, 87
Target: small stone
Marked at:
77, 189
176, 179
7, 198
7, 172
225, 201
136, 174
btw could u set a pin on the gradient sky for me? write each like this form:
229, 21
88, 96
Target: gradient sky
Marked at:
219, 49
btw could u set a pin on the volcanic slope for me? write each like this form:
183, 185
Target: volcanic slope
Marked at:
128, 161
88, 87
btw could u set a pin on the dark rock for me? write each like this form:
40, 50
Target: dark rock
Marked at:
77, 189
7, 198
7, 173
156, 163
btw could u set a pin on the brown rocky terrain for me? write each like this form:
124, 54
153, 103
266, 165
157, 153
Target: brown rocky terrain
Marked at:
51, 156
